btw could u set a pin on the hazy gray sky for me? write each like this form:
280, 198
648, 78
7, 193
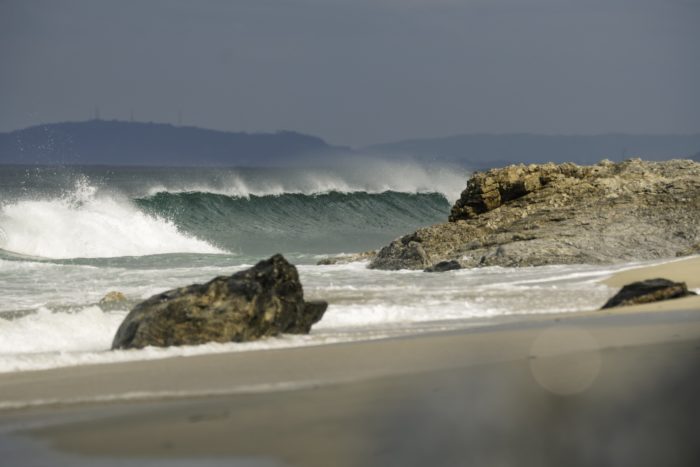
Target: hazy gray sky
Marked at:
357, 72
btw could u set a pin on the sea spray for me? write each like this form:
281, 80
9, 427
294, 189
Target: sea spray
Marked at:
368, 176
347, 176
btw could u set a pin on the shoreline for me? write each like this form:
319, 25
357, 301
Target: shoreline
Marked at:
679, 269
134, 409
687, 269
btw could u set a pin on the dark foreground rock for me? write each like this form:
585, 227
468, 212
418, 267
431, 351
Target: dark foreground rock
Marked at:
265, 300
561, 214
651, 290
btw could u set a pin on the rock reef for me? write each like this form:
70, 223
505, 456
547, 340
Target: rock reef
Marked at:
265, 300
538, 214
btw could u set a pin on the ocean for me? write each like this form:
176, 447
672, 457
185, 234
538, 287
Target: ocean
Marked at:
69, 235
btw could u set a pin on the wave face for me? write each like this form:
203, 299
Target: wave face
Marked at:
295, 222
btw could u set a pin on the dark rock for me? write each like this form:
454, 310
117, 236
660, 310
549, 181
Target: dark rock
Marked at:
403, 254
443, 266
651, 290
487, 191
265, 300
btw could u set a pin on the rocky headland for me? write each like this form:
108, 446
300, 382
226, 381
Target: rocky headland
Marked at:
538, 214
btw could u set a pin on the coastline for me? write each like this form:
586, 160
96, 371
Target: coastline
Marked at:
224, 405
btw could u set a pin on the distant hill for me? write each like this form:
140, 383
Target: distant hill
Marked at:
102, 142
487, 150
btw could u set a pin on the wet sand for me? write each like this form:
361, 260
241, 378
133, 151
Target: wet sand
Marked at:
599, 388
685, 270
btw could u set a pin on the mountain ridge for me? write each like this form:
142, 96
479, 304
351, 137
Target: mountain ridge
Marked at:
122, 143
114, 142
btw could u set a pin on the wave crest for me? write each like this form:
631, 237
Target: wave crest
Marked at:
293, 222
81, 224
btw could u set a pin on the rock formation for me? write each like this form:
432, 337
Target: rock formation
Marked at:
113, 300
651, 290
561, 214
265, 300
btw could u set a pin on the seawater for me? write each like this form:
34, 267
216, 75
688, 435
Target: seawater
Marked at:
70, 235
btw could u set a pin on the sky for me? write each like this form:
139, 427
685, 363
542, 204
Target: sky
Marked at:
356, 72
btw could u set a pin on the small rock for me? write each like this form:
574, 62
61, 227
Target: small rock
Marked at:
347, 258
443, 266
265, 300
402, 253
651, 290
112, 301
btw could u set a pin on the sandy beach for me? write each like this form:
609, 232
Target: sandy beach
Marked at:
595, 388
685, 269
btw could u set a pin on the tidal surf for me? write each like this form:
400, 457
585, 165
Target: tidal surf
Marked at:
68, 236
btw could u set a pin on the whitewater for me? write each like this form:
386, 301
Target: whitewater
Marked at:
70, 235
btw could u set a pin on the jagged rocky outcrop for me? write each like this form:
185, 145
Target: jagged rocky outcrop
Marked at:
650, 290
528, 215
265, 300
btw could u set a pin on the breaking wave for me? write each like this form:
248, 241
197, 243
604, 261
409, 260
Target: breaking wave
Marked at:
84, 225
87, 223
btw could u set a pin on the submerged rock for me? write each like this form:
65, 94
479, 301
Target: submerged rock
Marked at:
112, 301
651, 290
265, 300
347, 258
443, 266
561, 214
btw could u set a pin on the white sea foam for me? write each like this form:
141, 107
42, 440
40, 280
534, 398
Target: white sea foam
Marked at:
82, 224
88, 329
364, 305
52, 340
